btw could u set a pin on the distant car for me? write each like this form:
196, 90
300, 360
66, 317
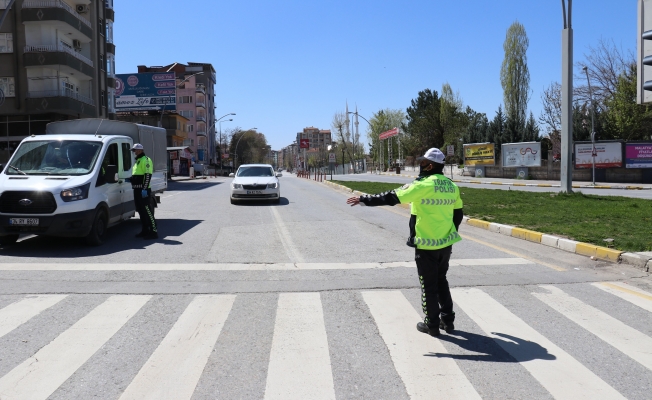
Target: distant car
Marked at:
255, 182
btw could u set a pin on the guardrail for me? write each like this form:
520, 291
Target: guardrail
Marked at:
56, 49
60, 93
55, 4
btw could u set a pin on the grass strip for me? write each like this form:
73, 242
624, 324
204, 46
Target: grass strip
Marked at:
577, 216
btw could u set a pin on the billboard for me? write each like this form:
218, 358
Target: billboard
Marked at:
304, 143
143, 92
388, 134
607, 155
526, 154
638, 155
479, 154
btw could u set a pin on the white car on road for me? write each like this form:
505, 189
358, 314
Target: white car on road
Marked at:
255, 182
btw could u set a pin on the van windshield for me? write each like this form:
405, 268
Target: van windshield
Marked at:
46, 157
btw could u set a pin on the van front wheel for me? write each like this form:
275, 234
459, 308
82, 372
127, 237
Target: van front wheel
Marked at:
98, 230
7, 240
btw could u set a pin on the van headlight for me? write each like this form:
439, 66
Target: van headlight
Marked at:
236, 186
272, 185
77, 193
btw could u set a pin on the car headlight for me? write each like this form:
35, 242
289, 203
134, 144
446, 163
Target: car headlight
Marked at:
236, 186
272, 185
77, 193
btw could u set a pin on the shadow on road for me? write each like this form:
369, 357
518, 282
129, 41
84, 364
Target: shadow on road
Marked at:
119, 238
190, 186
252, 203
494, 349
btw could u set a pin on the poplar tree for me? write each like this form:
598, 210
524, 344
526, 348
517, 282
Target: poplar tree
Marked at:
515, 76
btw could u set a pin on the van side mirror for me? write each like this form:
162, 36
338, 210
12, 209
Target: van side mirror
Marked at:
231, 175
111, 173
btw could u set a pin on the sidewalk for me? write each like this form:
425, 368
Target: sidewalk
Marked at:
457, 177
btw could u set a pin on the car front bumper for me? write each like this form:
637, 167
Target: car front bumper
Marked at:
75, 224
267, 194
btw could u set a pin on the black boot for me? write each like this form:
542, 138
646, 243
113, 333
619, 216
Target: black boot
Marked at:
447, 326
432, 330
141, 234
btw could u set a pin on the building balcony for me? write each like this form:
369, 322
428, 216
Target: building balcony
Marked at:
55, 10
41, 55
201, 118
200, 104
200, 89
201, 133
62, 101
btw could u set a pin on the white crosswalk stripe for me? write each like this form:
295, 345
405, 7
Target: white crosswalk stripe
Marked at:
301, 363
558, 372
628, 340
409, 348
627, 292
173, 370
40, 375
16, 314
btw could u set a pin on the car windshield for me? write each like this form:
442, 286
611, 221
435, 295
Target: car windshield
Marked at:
49, 157
255, 171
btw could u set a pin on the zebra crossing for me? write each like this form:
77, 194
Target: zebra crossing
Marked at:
331, 345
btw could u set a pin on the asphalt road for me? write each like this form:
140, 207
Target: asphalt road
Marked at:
311, 298
639, 194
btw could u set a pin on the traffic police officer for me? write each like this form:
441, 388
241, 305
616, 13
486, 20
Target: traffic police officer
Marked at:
141, 177
436, 216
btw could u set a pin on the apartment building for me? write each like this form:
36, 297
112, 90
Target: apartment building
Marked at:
57, 62
319, 139
196, 102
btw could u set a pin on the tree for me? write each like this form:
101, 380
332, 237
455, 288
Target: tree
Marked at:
531, 132
251, 145
423, 125
624, 118
515, 76
380, 122
551, 113
339, 125
496, 130
452, 116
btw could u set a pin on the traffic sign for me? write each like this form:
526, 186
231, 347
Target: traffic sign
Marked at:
331, 157
304, 143
450, 150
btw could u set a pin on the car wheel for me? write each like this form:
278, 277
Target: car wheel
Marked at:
98, 230
7, 240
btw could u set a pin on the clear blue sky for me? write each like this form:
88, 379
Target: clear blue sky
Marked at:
287, 64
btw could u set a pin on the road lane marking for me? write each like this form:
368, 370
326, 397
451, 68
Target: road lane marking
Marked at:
41, 374
254, 267
557, 371
173, 370
513, 253
299, 362
16, 314
286, 240
411, 351
627, 292
626, 339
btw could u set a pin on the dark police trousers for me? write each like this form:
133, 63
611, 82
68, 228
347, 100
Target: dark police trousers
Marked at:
432, 266
144, 208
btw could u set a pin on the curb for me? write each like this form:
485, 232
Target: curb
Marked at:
619, 187
571, 246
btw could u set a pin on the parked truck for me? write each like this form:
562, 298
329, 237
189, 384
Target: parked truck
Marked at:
74, 180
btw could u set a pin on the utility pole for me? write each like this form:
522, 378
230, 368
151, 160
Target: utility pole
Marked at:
567, 99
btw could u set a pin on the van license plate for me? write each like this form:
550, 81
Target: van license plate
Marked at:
23, 221
254, 192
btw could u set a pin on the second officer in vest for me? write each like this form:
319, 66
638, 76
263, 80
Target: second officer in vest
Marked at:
141, 183
436, 217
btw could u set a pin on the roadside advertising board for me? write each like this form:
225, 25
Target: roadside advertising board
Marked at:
143, 92
608, 155
479, 154
638, 155
388, 134
225, 155
304, 143
526, 154
331, 157
174, 155
450, 150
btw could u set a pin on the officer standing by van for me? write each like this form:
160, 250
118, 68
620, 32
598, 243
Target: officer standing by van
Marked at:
141, 177
436, 216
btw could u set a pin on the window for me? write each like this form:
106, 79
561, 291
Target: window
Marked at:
102, 64
178, 125
185, 99
101, 25
111, 158
6, 43
108, 3
112, 101
110, 65
191, 128
109, 31
126, 157
187, 114
8, 86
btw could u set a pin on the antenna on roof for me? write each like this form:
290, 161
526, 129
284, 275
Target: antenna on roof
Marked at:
98, 127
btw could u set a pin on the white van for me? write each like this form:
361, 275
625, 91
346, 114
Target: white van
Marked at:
74, 181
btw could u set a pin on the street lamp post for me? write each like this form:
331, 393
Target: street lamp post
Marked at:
586, 70
236, 147
221, 149
160, 122
567, 99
